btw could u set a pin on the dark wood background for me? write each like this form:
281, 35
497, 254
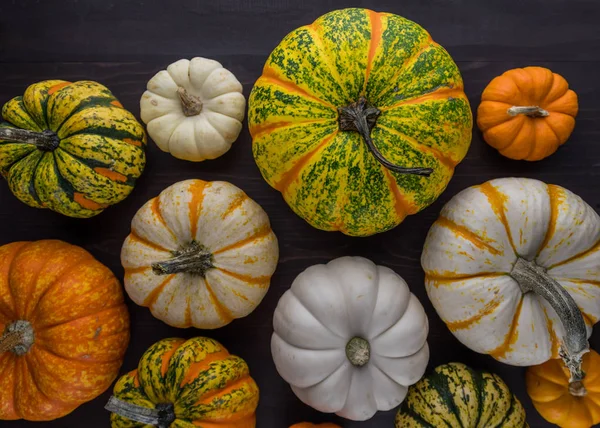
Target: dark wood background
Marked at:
122, 44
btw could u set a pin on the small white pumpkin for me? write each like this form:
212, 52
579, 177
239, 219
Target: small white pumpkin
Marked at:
350, 338
200, 254
513, 268
194, 109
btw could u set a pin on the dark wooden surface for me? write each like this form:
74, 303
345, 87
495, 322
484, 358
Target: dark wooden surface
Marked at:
123, 43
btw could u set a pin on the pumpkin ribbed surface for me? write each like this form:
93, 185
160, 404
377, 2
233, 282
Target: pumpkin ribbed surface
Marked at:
456, 396
548, 388
206, 385
80, 325
99, 152
328, 176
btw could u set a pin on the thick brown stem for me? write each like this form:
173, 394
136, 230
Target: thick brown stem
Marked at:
531, 111
162, 416
190, 104
17, 338
361, 117
532, 277
193, 259
46, 140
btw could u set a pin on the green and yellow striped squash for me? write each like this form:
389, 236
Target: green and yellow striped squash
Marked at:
455, 396
186, 384
378, 69
70, 147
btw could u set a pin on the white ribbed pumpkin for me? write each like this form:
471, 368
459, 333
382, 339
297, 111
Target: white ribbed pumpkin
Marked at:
200, 254
513, 268
350, 338
194, 109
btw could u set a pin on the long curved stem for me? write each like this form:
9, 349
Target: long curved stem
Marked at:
532, 277
361, 117
46, 140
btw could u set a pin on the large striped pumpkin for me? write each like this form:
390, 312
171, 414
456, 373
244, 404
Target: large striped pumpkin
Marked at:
359, 120
456, 396
70, 147
64, 329
186, 384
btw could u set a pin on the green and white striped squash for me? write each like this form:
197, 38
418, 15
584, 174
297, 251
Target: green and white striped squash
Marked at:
456, 396
359, 120
70, 147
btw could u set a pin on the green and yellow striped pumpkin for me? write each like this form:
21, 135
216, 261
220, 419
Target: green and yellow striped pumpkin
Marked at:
456, 396
186, 384
70, 147
359, 120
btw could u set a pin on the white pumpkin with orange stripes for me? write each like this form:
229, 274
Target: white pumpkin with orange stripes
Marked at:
513, 268
200, 254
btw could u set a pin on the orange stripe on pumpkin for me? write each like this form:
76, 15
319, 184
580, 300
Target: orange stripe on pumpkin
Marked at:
116, 103
153, 296
135, 237
57, 87
260, 281
166, 357
401, 205
235, 204
112, 175
465, 233
447, 278
294, 172
556, 197
488, 309
196, 188
266, 129
553, 338
438, 94
237, 384
258, 234
132, 142
270, 76
497, 201
195, 369
132, 271
511, 337
221, 310
376, 36
87, 203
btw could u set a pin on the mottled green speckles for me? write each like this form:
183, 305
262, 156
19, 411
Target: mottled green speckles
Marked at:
20, 179
444, 124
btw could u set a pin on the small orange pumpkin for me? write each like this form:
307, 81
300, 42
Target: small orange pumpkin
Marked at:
309, 425
568, 405
527, 113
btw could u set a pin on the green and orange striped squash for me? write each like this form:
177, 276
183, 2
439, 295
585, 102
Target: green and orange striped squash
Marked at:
186, 384
359, 120
70, 147
455, 395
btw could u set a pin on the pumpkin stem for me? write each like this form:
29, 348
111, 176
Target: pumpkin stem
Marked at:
532, 277
358, 351
46, 140
193, 259
531, 111
577, 389
190, 104
361, 117
162, 416
17, 338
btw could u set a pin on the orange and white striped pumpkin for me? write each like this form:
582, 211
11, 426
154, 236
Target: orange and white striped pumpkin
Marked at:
513, 268
200, 254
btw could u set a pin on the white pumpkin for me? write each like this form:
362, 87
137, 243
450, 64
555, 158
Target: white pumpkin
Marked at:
350, 337
194, 109
200, 254
513, 268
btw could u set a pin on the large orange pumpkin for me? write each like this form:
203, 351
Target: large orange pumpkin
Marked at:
64, 329
566, 404
527, 113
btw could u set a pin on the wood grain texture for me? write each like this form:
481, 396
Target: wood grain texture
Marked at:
123, 43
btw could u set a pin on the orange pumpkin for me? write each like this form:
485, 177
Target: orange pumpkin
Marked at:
568, 405
309, 425
64, 329
527, 113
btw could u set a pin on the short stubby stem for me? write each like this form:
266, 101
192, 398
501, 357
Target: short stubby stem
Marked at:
193, 259
46, 141
577, 389
358, 351
17, 338
162, 416
534, 278
531, 111
361, 117
190, 104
